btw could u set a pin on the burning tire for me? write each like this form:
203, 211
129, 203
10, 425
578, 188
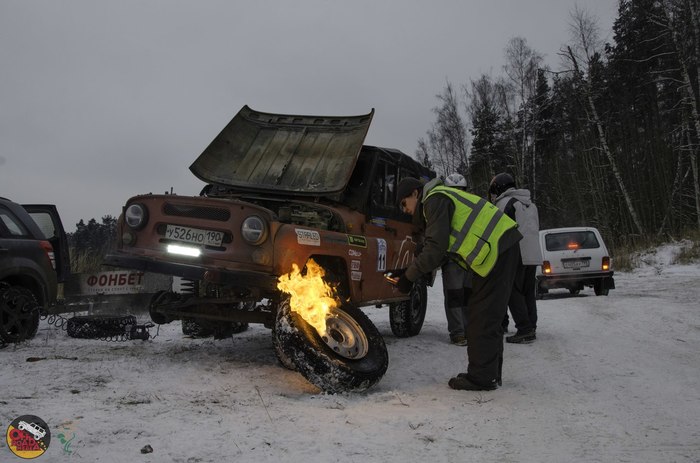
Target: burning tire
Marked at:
406, 317
283, 358
352, 355
19, 314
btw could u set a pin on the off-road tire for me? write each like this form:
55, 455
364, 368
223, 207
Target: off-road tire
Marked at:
406, 317
600, 289
160, 297
190, 327
99, 326
283, 358
202, 329
327, 362
19, 314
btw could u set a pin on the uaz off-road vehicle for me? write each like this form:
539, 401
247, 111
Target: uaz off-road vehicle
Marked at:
285, 190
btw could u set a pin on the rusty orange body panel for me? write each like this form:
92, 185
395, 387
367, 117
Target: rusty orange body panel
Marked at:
278, 198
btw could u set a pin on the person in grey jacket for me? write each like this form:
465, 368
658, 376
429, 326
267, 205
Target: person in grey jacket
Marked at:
456, 284
517, 204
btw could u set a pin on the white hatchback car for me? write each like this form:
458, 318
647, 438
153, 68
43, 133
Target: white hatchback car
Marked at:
574, 257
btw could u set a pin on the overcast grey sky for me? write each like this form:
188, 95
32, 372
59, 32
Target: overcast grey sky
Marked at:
102, 100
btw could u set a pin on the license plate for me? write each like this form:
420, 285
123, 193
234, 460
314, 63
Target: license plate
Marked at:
194, 235
576, 264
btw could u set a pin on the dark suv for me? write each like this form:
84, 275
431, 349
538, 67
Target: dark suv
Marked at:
286, 192
33, 260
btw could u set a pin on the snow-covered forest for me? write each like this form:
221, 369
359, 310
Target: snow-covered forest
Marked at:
609, 138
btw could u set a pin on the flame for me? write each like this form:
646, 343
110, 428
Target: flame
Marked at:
311, 297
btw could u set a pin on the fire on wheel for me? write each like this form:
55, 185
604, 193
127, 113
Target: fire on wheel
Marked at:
335, 347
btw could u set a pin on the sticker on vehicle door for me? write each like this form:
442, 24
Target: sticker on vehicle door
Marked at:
381, 255
355, 240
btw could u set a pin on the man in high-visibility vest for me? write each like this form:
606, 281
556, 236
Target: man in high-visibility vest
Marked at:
478, 236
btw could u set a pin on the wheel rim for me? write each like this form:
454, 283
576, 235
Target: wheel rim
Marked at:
345, 337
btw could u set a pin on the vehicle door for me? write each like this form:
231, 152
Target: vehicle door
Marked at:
13, 238
388, 224
49, 221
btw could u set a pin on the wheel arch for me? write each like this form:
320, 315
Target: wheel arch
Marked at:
31, 283
336, 273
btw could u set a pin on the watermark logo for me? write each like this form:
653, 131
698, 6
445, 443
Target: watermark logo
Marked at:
66, 436
28, 436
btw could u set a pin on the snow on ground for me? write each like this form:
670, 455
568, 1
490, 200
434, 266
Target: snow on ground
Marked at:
609, 379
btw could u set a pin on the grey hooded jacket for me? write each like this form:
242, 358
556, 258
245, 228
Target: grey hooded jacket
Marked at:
528, 223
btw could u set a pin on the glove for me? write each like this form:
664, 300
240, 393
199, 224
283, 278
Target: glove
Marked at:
404, 284
396, 273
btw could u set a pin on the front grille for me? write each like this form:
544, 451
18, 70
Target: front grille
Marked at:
198, 212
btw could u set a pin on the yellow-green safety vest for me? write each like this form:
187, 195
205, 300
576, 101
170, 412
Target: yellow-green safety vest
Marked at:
477, 226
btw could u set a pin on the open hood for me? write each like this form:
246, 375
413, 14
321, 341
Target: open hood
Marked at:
312, 155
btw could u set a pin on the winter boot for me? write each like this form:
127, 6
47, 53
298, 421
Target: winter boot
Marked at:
464, 383
522, 337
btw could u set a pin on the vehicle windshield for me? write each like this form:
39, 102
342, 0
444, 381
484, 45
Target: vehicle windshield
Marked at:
571, 240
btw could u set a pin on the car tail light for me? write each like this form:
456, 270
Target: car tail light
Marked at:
546, 267
606, 263
49, 253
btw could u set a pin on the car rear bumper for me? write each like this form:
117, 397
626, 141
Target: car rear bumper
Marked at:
241, 279
568, 279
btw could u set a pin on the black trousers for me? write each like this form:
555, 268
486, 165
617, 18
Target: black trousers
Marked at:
523, 299
456, 285
488, 304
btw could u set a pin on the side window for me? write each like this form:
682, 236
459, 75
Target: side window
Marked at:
45, 223
355, 194
384, 185
12, 224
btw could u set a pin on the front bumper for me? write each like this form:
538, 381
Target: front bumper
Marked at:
234, 278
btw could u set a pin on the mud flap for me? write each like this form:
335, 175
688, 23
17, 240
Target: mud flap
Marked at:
608, 283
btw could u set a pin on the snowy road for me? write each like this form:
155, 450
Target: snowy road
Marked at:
609, 379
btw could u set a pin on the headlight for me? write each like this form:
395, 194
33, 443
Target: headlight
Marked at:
253, 230
136, 216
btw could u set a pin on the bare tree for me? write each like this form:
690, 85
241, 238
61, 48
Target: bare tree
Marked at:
521, 67
586, 45
672, 10
446, 145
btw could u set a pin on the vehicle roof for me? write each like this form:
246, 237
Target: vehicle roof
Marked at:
569, 229
296, 154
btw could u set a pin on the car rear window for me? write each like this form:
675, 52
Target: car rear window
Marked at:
571, 240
